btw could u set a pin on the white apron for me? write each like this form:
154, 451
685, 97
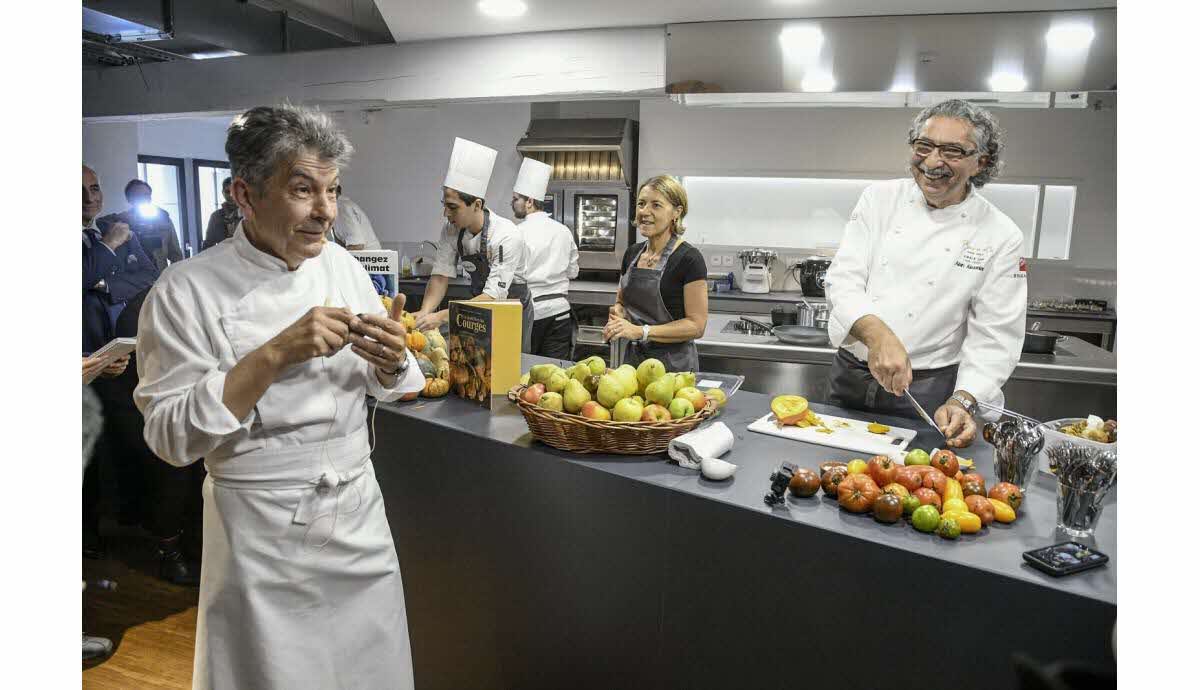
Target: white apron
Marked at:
290, 595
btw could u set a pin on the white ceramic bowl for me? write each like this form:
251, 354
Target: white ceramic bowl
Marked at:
1055, 438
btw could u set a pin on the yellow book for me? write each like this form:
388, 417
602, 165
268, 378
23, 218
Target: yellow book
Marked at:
485, 348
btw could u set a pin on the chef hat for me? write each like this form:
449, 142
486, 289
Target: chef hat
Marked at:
470, 168
532, 180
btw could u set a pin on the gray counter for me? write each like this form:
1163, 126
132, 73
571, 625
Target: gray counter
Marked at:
529, 567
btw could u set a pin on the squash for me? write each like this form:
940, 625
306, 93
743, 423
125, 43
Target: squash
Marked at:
443, 370
409, 396
416, 341
435, 387
427, 367
438, 355
434, 336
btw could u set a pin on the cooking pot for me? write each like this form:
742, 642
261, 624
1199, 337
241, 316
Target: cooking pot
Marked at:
1041, 342
812, 275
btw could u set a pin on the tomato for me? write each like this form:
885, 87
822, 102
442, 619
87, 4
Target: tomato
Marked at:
954, 505
857, 466
857, 493
1004, 512
909, 477
948, 528
953, 490
982, 507
925, 519
804, 483
929, 497
973, 487
883, 469
968, 523
831, 479
1008, 493
933, 479
789, 409
888, 508
896, 488
911, 503
829, 464
944, 460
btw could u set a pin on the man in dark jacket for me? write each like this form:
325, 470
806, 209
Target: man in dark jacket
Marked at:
149, 223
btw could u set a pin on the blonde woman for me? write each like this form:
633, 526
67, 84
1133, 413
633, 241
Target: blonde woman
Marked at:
662, 302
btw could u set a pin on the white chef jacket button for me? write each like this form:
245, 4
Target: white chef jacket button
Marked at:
884, 261
947, 249
931, 282
875, 299
964, 215
910, 314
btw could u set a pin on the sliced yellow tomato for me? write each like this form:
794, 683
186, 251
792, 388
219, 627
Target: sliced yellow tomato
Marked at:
877, 428
789, 409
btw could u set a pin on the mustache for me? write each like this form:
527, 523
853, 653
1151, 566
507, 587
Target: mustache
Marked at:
934, 172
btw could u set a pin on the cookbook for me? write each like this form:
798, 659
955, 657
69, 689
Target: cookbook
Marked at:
485, 349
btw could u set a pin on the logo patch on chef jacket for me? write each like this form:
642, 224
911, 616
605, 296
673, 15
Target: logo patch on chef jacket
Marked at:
468, 266
974, 258
1022, 270
503, 285
1024, 266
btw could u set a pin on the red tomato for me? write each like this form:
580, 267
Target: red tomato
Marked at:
944, 460
857, 493
929, 497
1008, 493
981, 507
909, 477
882, 469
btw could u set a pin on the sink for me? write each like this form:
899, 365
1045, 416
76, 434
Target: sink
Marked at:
744, 328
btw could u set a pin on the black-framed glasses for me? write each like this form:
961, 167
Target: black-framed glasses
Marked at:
947, 152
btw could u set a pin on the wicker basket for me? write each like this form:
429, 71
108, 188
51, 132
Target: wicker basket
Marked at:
582, 435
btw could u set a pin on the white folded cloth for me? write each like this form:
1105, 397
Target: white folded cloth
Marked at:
711, 441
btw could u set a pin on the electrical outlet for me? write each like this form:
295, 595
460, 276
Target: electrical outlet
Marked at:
726, 260
715, 260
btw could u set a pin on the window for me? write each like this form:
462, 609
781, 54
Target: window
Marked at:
209, 176
811, 213
165, 177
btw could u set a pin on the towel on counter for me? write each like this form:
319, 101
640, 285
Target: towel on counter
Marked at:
711, 441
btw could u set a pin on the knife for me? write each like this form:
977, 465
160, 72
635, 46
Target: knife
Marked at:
921, 411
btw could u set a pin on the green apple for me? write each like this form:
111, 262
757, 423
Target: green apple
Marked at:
609, 390
692, 395
640, 400
679, 408
655, 413
627, 410
661, 391
685, 379
649, 371
551, 401
574, 396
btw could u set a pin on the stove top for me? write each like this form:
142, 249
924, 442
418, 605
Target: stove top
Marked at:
744, 328
1076, 307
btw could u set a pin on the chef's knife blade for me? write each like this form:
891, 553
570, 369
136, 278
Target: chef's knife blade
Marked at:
921, 411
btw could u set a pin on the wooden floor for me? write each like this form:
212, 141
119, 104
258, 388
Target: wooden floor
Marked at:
151, 623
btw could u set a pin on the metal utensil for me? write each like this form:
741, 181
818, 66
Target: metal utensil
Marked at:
1017, 445
921, 411
808, 336
1005, 411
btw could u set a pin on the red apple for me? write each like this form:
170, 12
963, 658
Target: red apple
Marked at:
692, 395
533, 393
594, 410
655, 413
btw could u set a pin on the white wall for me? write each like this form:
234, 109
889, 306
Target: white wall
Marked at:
184, 137
1076, 147
111, 150
401, 156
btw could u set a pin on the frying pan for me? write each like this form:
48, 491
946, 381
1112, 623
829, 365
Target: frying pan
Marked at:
795, 335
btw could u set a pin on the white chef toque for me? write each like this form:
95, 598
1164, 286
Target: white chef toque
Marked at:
532, 180
470, 168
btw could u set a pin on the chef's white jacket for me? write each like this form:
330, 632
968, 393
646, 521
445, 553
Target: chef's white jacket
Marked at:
207, 313
353, 227
551, 260
950, 283
506, 254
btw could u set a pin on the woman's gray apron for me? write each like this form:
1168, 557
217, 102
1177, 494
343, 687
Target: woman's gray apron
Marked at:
641, 294
851, 385
479, 266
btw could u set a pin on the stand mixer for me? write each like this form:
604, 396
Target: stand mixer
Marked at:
756, 270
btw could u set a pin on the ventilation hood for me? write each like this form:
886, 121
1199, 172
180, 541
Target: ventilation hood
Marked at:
1015, 59
584, 149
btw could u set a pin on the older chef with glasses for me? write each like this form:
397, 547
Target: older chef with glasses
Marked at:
551, 260
927, 291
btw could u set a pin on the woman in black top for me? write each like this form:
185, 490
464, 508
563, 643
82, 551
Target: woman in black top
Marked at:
662, 303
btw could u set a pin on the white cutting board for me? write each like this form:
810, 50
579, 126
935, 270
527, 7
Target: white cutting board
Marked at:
854, 437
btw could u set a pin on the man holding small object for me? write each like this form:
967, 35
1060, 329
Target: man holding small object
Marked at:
258, 355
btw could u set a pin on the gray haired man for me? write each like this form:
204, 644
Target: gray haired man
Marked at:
927, 291
257, 356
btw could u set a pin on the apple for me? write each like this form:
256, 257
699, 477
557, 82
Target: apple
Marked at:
681, 408
685, 379
551, 401
627, 410
718, 395
640, 400
594, 410
692, 395
655, 413
533, 393
650, 370
662, 390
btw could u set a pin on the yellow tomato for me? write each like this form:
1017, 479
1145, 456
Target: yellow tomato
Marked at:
1004, 512
953, 490
955, 505
857, 466
789, 409
968, 522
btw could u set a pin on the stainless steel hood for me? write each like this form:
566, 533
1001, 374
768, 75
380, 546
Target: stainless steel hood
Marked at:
876, 61
584, 149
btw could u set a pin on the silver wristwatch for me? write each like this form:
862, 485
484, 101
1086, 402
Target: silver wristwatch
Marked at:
403, 367
969, 405
645, 333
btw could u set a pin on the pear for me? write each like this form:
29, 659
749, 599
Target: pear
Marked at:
649, 371
580, 372
596, 364
628, 376
662, 391
684, 379
557, 381
591, 382
525, 379
551, 401
575, 396
538, 373
609, 390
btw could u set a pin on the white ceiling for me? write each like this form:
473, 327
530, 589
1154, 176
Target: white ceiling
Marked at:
417, 20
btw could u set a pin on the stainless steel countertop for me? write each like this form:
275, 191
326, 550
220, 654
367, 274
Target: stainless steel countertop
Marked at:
1074, 360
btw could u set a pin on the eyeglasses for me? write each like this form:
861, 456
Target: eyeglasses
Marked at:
947, 152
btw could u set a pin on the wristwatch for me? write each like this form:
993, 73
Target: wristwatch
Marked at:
646, 333
403, 367
969, 405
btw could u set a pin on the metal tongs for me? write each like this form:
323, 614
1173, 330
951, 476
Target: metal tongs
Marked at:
1004, 411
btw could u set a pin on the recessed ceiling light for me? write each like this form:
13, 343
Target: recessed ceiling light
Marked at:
1007, 81
818, 82
502, 8
1070, 37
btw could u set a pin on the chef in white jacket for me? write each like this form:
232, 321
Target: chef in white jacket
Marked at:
551, 260
257, 356
927, 291
487, 245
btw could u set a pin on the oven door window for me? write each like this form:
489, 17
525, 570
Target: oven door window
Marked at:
596, 222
